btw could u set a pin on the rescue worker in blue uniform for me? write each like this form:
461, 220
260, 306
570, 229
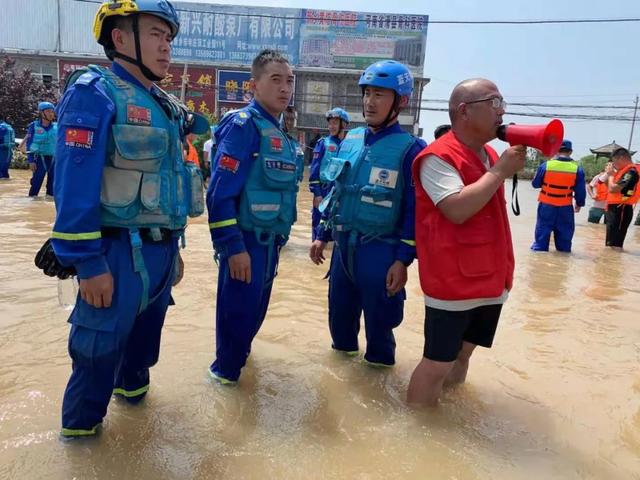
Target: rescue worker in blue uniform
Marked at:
561, 181
7, 142
123, 194
371, 211
41, 145
326, 148
251, 201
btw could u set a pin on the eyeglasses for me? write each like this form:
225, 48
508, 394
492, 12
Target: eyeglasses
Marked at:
496, 102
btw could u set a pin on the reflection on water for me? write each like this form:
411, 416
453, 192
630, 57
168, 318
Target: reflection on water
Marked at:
557, 397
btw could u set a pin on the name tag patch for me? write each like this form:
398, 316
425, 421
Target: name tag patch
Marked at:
78, 138
383, 177
280, 165
138, 115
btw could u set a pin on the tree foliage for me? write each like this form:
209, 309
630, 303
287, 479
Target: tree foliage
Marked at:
20, 92
592, 167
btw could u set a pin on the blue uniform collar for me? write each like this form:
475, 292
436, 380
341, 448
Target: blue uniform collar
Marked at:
371, 138
126, 76
564, 159
263, 112
335, 139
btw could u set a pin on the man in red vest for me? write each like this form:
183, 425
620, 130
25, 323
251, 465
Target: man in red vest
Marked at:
463, 240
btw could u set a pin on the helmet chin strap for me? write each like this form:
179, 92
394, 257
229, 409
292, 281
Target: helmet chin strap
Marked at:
394, 111
138, 60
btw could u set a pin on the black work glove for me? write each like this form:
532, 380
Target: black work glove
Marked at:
47, 261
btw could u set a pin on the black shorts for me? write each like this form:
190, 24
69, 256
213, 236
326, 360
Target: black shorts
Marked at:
618, 218
445, 330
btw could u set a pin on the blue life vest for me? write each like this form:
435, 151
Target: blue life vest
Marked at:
44, 141
369, 183
268, 201
330, 149
8, 137
145, 182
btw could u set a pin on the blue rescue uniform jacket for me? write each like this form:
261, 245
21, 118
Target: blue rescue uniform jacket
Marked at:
238, 142
406, 245
76, 234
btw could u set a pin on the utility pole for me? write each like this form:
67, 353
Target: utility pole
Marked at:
183, 88
633, 123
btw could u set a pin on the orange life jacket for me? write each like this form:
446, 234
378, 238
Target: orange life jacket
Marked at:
601, 191
630, 198
192, 154
558, 183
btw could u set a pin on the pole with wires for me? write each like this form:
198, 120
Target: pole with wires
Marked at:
633, 123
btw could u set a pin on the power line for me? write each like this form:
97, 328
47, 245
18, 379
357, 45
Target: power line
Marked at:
318, 97
609, 118
439, 22
545, 105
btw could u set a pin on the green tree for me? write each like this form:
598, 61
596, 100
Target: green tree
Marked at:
20, 93
592, 167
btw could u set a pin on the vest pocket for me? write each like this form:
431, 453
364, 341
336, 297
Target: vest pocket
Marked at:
150, 191
375, 207
195, 190
119, 192
139, 148
264, 207
475, 237
333, 169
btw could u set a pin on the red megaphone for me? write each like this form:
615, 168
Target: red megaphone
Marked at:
546, 138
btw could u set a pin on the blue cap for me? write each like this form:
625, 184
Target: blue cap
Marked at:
566, 145
42, 106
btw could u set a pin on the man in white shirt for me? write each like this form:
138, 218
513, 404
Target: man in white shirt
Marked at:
463, 240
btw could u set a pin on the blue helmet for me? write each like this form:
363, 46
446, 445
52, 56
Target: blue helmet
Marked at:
388, 74
42, 106
337, 113
159, 8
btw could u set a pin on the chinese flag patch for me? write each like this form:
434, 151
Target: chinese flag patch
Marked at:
276, 144
78, 137
138, 115
228, 163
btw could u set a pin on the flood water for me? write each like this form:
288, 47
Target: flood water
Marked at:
557, 397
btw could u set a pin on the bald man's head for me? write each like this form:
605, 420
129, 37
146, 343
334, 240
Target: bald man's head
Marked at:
468, 91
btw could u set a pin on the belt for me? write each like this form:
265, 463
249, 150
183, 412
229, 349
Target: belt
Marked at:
145, 233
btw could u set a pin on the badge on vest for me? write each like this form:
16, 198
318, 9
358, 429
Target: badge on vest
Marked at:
275, 143
138, 115
332, 148
78, 138
383, 177
280, 165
